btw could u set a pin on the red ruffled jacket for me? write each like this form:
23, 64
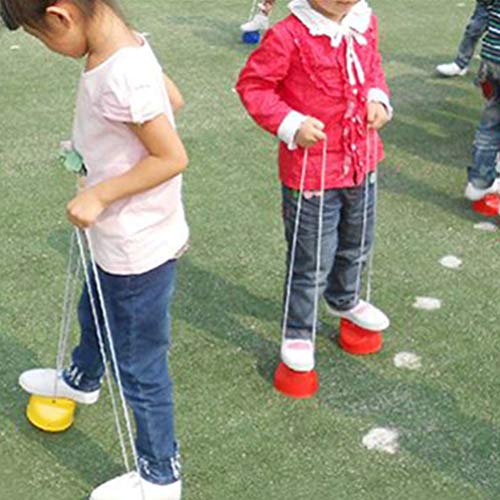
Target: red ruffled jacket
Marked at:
293, 70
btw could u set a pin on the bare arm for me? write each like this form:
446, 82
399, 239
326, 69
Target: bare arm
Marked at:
174, 94
167, 159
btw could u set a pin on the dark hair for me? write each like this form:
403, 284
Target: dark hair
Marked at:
17, 13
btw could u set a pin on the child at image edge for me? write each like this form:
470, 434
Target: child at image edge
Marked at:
316, 77
260, 22
124, 130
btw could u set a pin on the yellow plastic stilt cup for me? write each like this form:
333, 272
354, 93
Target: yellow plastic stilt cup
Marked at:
51, 414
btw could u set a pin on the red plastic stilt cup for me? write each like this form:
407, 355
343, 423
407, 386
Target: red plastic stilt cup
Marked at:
489, 206
299, 385
356, 340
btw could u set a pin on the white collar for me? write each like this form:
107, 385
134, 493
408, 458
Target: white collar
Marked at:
356, 22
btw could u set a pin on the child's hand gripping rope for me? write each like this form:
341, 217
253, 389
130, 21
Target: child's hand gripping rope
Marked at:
377, 115
85, 208
310, 132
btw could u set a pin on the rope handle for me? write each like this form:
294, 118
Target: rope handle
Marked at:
371, 143
81, 237
295, 239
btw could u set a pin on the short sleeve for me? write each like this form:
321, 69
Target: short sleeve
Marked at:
132, 99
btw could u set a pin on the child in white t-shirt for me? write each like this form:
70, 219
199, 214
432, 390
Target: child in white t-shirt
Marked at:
132, 208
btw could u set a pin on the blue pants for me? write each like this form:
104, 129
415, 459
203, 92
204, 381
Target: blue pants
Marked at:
138, 313
486, 146
341, 251
475, 29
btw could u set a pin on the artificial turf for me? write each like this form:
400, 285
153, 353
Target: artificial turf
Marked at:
239, 438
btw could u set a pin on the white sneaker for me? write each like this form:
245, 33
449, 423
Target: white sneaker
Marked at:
298, 354
259, 23
474, 194
451, 69
365, 315
41, 382
132, 487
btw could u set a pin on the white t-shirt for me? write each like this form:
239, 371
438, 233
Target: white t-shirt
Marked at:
136, 234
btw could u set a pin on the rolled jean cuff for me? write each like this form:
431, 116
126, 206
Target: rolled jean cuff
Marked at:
462, 62
344, 304
76, 378
292, 333
160, 472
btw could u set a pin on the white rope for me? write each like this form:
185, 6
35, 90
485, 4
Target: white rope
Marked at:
72, 275
291, 263
71, 309
364, 227
319, 243
114, 361
102, 348
369, 278
363, 238
293, 251
65, 309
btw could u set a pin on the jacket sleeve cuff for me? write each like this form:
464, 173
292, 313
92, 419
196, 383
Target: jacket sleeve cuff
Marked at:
378, 95
289, 127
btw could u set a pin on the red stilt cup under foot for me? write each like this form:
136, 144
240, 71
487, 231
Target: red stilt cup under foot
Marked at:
488, 206
299, 385
356, 340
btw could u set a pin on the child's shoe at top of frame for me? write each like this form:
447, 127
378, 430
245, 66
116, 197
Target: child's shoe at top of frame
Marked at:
259, 23
451, 69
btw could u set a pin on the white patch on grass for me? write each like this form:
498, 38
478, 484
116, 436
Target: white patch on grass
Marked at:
408, 360
427, 303
15, 47
451, 262
382, 439
486, 226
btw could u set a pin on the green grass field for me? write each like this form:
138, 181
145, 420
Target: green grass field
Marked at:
239, 438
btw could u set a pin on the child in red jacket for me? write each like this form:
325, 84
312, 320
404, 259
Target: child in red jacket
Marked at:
316, 82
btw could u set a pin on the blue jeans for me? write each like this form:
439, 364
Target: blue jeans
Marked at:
341, 251
138, 313
483, 171
475, 29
